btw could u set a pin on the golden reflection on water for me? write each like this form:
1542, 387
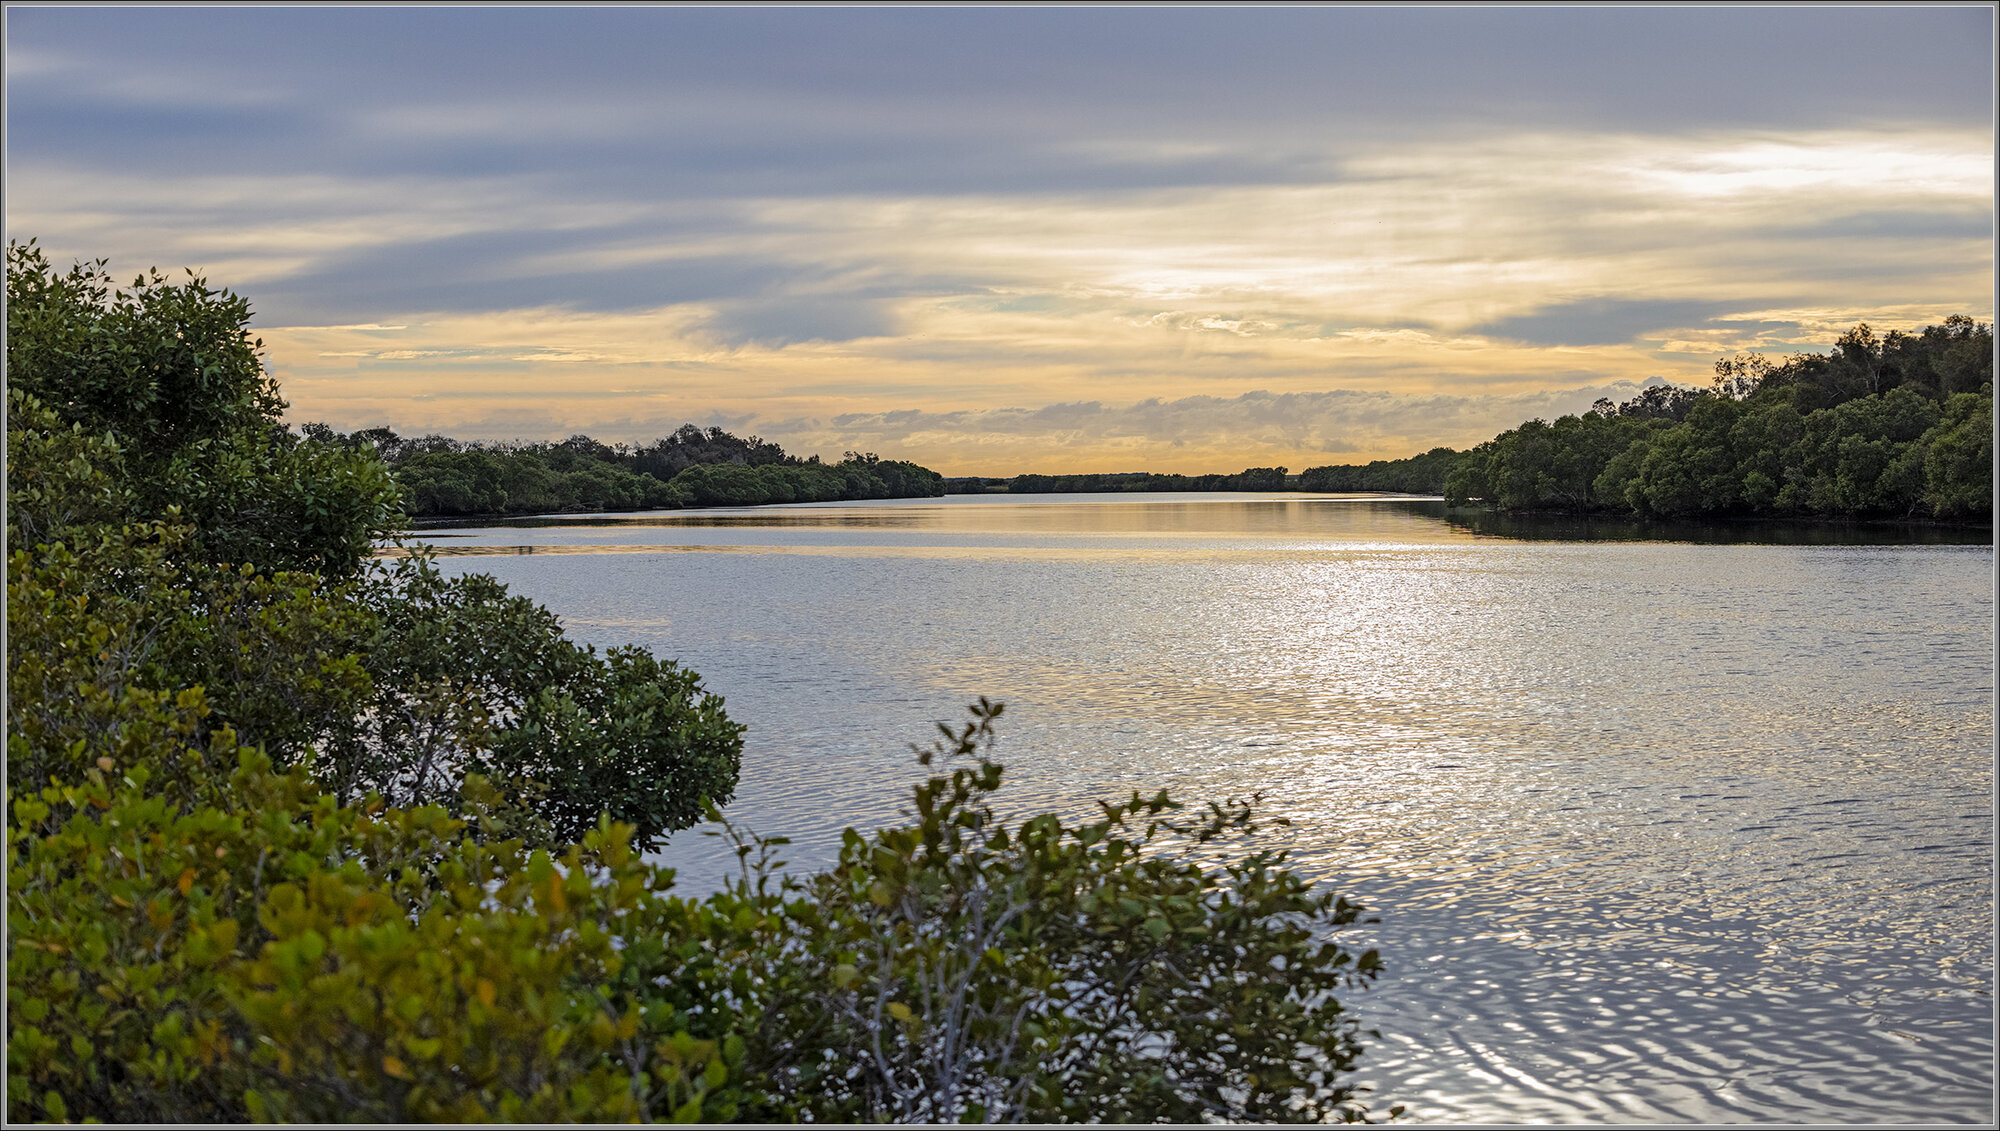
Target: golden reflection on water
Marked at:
1035, 553
1342, 516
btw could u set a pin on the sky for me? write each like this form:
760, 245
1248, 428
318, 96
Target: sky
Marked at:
1004, 240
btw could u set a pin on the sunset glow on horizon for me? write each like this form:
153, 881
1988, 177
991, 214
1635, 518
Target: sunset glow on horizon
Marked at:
996, 241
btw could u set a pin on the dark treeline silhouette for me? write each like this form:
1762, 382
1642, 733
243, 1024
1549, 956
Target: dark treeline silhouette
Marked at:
441, 476
1249, 479
1899, 426
1418, 475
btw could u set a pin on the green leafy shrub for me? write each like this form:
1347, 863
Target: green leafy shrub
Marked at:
173, 535
1130, 968
469, 679
169, 374
271, 956
113, 622
1958, 458
262, 952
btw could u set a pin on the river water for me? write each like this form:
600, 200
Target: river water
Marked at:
1658, 830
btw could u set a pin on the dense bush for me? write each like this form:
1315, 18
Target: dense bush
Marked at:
135, 579
856, 477
469, 679
444, 477
734, 485
261, 952
1899, 427
197, 937
482, 481
1126, 969
169, 376
1418, 475
269, 955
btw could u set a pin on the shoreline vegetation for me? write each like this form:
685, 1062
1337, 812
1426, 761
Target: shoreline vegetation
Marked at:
299, 835
1898, 428
442, 477
1891, 429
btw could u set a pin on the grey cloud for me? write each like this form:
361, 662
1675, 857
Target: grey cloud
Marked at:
1171, 67
1915, 224
84, 125
1600, 321
503, 269
1333, 421
670, 156
399, 281
789, 320
951, 99
550, 109
1261, 425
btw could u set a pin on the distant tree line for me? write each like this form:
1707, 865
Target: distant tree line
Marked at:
1899, 426
1422, 475
1249, 479
441, 476
1418, 475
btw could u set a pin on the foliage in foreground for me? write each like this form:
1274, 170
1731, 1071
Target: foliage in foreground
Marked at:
170, 534
1132, 968
270, 955
261, 952
164, 379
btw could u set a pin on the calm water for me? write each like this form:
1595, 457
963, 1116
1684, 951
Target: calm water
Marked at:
1657, 830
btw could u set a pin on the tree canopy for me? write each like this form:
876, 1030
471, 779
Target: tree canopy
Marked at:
1899, 426
444, 477
167, 375
171, 534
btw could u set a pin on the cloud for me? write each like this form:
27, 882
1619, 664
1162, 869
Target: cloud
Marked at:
1258, 423
439, 89
1952, 224
1187, 434
1417, 234
525, 215
811, 318
1600, 321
